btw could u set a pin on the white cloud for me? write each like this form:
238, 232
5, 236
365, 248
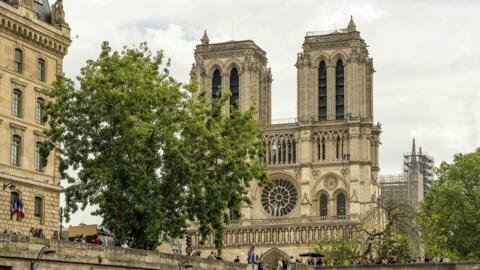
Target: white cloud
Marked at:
426, 55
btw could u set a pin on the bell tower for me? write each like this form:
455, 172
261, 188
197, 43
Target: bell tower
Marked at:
236, 66
334, 74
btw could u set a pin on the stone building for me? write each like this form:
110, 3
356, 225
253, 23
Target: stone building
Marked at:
324, 165
34, 39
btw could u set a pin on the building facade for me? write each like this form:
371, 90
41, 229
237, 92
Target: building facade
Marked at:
324, 165
34, 39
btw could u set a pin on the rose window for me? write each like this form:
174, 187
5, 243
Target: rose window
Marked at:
279, 199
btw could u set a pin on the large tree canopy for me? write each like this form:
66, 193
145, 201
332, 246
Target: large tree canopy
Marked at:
450, 213
149, 157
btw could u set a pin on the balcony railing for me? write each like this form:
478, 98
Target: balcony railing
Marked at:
25, 173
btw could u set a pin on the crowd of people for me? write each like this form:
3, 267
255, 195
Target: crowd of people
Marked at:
287, 264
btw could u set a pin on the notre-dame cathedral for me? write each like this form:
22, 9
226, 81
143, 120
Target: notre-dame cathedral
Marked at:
324, 166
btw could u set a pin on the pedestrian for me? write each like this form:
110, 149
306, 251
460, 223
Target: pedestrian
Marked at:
237, 260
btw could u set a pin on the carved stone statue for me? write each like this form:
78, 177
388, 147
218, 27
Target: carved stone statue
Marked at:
58, 13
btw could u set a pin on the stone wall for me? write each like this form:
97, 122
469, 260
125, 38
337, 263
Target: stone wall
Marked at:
18, 251
418, 266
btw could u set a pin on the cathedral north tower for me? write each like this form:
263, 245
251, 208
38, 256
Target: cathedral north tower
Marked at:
236, 66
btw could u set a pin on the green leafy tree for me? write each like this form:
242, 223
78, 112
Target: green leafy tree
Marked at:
450, 213
338, 252
393, 245
393, 238
150, 158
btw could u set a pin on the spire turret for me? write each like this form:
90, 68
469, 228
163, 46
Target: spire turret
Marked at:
413, 160
205, 40
351, 25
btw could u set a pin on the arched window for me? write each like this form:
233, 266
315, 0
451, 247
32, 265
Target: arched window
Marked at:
18, 62
294, 151
216, 83
339, 147
235, 88
15, 151
341, 205
323, 205
339, 90
41, 70
322, 91
40, 111
17, 103
323, 149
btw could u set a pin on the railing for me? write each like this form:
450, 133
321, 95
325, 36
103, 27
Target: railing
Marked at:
308, 120
25, 173
294, 220
326, 32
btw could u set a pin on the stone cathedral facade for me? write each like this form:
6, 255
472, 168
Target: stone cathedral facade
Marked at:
324, 166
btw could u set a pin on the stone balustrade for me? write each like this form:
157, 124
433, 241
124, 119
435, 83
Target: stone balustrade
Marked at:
18, 251
10, 170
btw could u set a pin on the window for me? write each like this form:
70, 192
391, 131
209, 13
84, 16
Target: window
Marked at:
339, 147
234, 215
38, 211
216, 83
339, 90
341, 204
15, 202
322, 91
15, 151
39, 160
41, 70
234, 87
323, 205
321, 149
40, 111
18, 64
17, 103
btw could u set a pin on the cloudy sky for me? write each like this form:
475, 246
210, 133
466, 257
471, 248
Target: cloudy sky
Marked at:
426, 55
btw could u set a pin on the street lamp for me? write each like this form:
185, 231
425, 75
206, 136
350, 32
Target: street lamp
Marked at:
185, 265
34, 263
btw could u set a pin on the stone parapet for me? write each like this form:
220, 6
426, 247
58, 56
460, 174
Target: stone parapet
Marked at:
18, 251
410, 266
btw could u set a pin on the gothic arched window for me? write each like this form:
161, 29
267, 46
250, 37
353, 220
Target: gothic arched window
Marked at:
216, 83
322, 91
235, 88
323, 149
339, 147
341, 205
323, 205
339, 90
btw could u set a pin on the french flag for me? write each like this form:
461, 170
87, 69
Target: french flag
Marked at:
251, 255
20, 211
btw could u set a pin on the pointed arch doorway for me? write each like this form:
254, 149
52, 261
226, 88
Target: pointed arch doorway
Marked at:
271, 257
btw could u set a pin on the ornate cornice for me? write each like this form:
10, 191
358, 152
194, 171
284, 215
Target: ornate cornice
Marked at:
38, 34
